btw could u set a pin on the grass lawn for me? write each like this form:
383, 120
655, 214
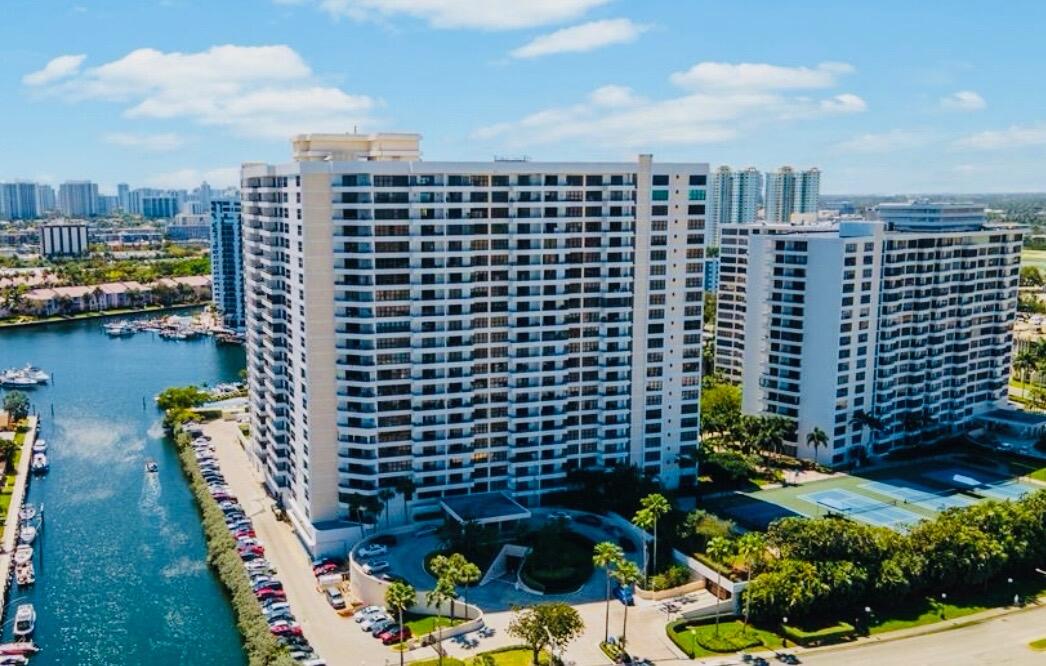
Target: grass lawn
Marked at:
1035, 258
1039, 645
732, 637
517, 656
426, 624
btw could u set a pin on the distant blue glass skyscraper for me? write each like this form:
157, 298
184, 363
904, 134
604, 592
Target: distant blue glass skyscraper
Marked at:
227, 262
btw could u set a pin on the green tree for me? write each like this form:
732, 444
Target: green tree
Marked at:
437, 596
553, 625
626, 574
406, 488
1031, 277
720, 410
8, 449
181, 397
384, 495
720, 550
399, 596
654, 507
16, 404
751, 548
607, 555
816, 438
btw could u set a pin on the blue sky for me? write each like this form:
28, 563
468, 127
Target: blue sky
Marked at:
885, 97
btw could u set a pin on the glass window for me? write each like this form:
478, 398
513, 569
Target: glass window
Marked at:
659, 195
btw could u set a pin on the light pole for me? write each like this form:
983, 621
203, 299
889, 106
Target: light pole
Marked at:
784, 636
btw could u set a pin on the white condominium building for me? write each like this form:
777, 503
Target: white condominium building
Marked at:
910, 325
932, 215
64, 239
730, 294
790, 193
78, 198
733, 198
471, 326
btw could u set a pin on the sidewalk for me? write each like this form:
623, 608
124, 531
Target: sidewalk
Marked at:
17, 498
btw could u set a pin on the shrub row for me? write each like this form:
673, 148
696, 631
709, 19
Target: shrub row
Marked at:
261, 646
674, 576
831, 634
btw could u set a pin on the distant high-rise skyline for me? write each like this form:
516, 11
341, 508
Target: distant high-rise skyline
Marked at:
790, 192
733, 198
78, 198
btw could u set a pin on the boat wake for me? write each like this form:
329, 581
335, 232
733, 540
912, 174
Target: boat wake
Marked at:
152, 509
156, 430
183, 566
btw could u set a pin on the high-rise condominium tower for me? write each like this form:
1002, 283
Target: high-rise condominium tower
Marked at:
227, 262
470, 326
789, 192
19, 201
909, 324
78, 198
733, 198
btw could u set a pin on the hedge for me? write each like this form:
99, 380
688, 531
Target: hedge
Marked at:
261, 646
830, 634
720, 568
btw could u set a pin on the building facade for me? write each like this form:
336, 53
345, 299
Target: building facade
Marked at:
789, 193
227, 262
912, 326
733, 198
470, 326
64, 240
19, 201
78, 198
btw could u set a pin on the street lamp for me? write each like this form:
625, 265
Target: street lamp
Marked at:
784, 637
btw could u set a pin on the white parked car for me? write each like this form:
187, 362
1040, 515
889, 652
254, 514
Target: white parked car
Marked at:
372, 550
374, 620
368, 612
376, 567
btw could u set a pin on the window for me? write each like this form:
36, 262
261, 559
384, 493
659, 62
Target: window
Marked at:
696, 195
659, 195
661, 180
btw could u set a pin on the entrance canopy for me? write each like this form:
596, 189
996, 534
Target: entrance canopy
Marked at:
1022, 424
484, 508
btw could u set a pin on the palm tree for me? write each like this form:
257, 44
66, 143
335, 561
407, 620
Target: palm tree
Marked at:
720, 549
406, 487
384, 495
655, 506
751, 548
1024, 363
816, 438
626, 573
607, 555
437, 596
466, 575
400, 596
864, 420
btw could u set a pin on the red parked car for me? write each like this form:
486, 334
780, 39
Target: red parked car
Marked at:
394, 634
270, 593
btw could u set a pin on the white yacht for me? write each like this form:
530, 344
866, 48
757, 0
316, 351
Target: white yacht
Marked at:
25, 621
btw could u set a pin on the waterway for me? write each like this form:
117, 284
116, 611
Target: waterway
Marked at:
121, 570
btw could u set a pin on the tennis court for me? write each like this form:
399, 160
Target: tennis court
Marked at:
863, 508
896, 497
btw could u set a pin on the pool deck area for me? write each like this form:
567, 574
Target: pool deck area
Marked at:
895, 496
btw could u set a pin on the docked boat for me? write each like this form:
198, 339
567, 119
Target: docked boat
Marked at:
17, 380
39, 446
19, 648
151, 466
27, 534
28, 512
119, 328
40, 464
36, 374
25, 621
23, 554
25, 574
13, 660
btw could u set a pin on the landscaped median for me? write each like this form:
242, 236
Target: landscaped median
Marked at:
261, 646
507, 656
701, 638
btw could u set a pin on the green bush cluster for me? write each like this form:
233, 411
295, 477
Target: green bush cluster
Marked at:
261, 646
674, 576
831, 634
831, 567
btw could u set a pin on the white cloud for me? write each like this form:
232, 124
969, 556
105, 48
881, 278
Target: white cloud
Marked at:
57, 68
581, 38
186, 179
1015, 136
963, 100
151, 142
476, 14
760, 76
708, 111
259, 91
883, 142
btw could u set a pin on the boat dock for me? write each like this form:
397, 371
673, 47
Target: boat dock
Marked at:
11, 522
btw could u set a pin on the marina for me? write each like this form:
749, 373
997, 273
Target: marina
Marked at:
112, 527
173, 327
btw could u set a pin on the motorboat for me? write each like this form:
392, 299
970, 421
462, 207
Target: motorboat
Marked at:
39, 446
36, 374
19, 648
25, 621
151, 466
23, 554
40, 464
25, 574
28, 512
27, 534
13, 660
16, 379
119, 328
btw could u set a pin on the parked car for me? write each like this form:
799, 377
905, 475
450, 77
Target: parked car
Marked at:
560, 515
372, 550
368, 612
335, 598
624, 595
381, 626
394, 634
376, 567
369, 623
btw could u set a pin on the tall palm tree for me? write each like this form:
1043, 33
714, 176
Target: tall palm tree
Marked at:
607, 555
1024, 363
437, 596
816, 438
400, 596
626, 573
406, 487
721, 550
384, 495
655, 505
751, 548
